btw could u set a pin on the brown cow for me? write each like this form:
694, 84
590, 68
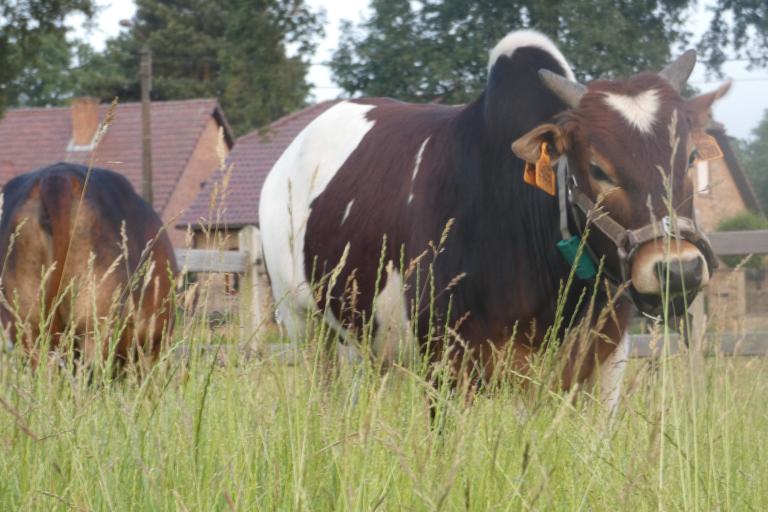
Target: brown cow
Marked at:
375, 169
82, 253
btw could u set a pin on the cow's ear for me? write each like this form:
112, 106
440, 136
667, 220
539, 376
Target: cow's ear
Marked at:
699, 109
528, 147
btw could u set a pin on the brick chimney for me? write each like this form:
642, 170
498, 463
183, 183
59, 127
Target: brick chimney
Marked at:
85, 120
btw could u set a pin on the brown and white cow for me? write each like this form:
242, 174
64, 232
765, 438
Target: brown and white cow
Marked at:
371, 168
91, 238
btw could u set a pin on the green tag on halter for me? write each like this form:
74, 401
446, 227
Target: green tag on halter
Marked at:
585, 267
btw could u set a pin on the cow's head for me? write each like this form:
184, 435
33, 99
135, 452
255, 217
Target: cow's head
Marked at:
629, 146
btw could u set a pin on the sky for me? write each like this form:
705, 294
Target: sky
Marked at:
740, 111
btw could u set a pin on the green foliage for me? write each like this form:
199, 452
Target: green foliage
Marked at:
754, 156
261, 82
33, 49
746, 221
235, 50
46, 78
740, 28
444, 43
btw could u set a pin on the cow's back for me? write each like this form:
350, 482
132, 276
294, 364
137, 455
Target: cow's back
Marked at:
79, 257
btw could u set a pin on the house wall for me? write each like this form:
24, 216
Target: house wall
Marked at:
721, 199
200, 167
726, 301
757, 298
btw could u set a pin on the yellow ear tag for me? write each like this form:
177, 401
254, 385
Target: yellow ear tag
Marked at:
545, 174
706, 146
529, 175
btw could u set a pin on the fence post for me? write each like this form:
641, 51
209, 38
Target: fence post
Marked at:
699, 322
248, 241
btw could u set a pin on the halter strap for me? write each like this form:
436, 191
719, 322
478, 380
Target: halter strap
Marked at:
626, 241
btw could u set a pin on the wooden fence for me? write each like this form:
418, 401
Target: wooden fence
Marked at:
247, 262
254, 291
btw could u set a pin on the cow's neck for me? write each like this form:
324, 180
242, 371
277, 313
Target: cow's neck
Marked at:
505, 231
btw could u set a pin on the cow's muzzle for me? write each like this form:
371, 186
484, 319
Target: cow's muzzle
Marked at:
677, 273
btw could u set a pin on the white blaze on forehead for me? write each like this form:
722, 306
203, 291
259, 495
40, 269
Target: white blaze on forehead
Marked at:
529, 38
639, 111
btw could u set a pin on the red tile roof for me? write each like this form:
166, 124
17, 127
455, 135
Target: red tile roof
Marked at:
31, 138
252, 157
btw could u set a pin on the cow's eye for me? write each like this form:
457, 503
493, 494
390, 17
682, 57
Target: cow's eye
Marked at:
693, 157
599, 174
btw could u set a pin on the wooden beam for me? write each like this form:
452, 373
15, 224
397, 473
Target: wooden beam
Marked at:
726, 344
201, 260
723, 242
726, 243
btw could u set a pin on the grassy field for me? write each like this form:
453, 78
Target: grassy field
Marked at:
264, 436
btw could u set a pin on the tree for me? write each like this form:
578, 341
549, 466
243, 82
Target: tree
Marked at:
739, 27
754, 154
446, 42
235, 50
28, 28
45, 78
186, 38
261, 81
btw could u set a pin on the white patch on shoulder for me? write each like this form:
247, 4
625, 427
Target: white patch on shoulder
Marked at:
639, 111
419, 156
524, 38
346, 212
417, 166
393, 342
300, 175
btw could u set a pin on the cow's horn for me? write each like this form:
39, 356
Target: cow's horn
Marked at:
677, 72
569, 92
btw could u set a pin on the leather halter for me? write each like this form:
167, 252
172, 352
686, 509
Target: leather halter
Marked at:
626, 241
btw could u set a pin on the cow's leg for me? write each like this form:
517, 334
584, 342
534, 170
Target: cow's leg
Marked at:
393, 342
603, 360
292, 320
609, 374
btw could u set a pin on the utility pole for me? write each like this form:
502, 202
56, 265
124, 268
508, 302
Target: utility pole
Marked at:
145, 73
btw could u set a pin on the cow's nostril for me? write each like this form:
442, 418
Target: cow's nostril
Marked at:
680, 276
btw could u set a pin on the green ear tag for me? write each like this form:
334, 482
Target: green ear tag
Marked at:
585, 267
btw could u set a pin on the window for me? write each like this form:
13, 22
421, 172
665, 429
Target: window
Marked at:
231, 284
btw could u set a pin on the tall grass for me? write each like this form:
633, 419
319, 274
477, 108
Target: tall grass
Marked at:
266, 436
192, 433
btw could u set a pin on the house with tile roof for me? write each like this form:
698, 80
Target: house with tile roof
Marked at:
185, 135
251, 158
